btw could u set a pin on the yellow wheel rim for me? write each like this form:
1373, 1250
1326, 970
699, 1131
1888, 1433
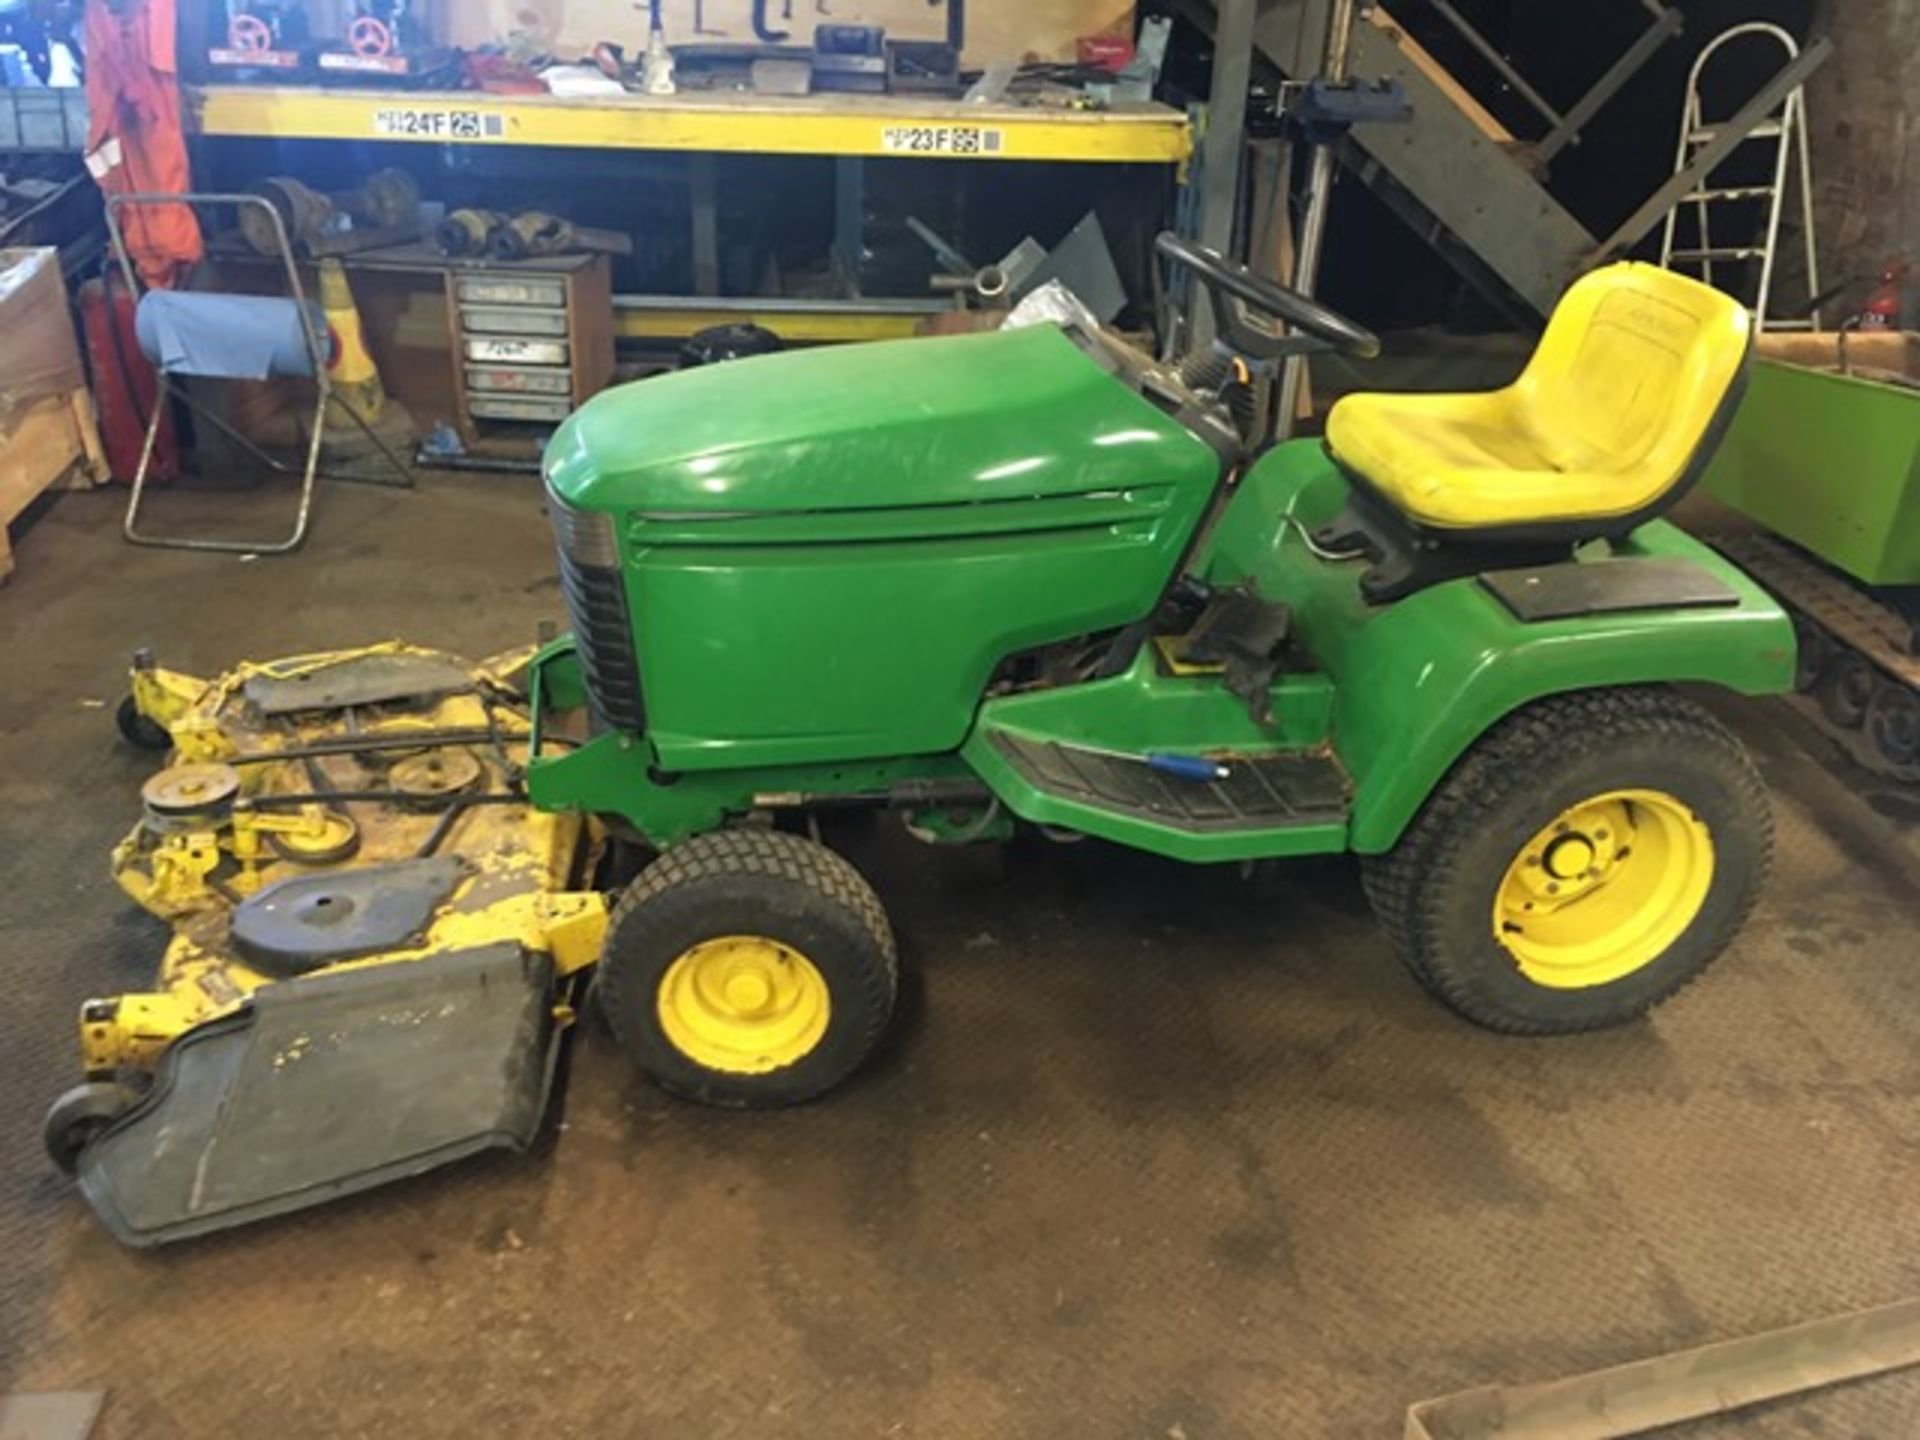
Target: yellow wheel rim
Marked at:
743, 1004
1604, 889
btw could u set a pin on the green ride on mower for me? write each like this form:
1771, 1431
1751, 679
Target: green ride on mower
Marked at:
1027, 578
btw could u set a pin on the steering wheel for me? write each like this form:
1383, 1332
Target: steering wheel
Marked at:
1228, 279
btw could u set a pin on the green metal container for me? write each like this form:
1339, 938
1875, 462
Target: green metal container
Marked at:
1832, 463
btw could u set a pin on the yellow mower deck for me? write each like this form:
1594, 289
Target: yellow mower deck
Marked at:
345, 835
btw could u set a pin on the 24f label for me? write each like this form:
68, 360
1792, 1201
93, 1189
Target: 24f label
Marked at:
420, 123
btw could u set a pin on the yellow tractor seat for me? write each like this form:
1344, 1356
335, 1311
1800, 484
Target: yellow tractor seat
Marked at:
1617, 412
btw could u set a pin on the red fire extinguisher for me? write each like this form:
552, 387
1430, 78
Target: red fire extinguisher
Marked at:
125, 387
1882, 310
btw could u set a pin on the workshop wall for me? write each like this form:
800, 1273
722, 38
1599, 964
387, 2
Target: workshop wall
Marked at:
1865, 122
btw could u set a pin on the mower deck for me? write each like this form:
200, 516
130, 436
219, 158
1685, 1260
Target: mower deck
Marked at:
373, 939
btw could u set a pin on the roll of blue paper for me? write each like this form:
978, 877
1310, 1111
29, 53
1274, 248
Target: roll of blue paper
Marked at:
226, 337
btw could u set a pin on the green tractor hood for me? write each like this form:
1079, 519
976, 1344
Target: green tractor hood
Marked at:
1009, 415
824, 555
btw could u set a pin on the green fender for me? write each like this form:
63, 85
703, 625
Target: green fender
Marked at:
1417, 682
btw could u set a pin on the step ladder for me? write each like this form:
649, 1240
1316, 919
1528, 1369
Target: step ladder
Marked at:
1738, 261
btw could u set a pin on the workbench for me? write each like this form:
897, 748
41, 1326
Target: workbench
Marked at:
702, 124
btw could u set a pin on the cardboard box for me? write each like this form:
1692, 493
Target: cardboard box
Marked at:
42, 354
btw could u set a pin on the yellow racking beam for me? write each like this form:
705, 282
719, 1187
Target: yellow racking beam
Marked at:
817, 125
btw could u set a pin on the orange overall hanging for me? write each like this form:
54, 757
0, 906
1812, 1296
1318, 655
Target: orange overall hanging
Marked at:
134, 141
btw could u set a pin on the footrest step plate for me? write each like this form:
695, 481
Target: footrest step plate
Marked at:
1260, 792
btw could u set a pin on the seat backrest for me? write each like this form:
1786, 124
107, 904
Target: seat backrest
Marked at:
1637, 375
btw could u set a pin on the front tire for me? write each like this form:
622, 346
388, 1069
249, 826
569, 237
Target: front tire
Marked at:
1591, 855
748, 968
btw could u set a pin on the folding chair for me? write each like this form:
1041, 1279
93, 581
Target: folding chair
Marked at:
311, 364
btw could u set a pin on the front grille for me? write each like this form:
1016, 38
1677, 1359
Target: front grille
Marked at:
596, 597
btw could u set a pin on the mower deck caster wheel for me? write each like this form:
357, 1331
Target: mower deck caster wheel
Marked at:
139, 730
79, 1115
748, 967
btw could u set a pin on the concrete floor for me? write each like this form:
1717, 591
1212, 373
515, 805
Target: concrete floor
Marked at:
1157, 1152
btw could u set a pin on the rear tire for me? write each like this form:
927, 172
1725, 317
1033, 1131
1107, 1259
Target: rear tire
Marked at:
1592, 775
748, 968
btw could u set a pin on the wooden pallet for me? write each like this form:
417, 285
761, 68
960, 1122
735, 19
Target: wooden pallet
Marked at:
52, 443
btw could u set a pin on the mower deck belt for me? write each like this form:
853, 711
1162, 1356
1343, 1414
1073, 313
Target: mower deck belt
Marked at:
1607, 587
363, 680
329, 1085
1295, 788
